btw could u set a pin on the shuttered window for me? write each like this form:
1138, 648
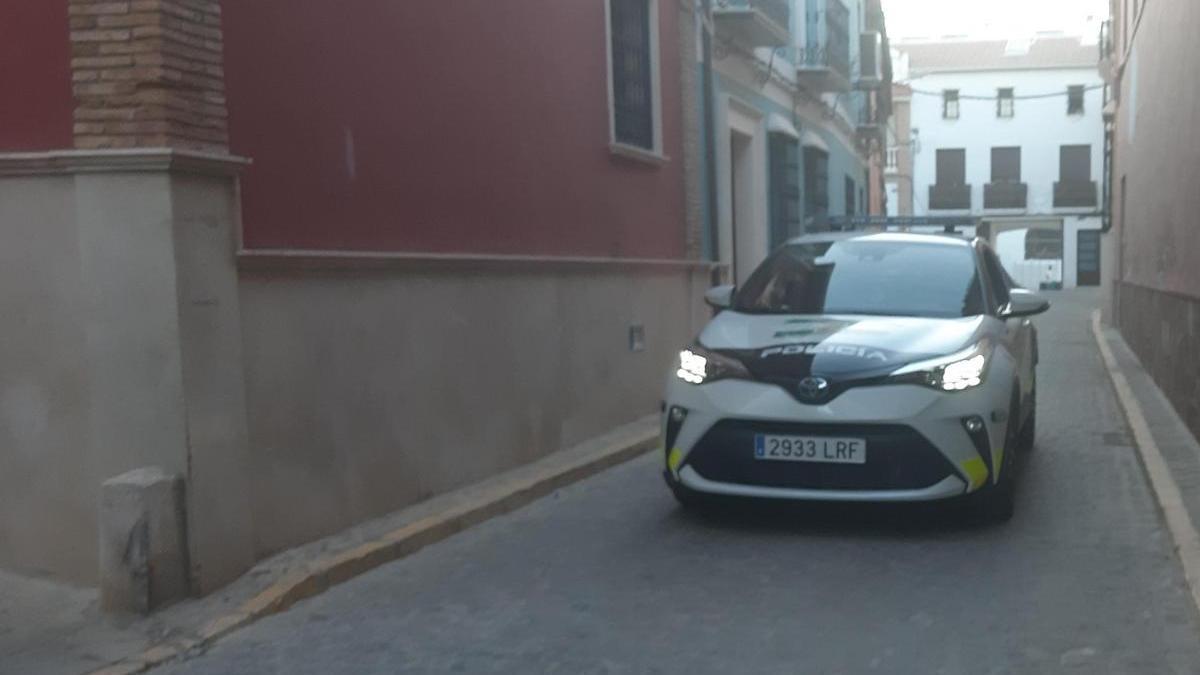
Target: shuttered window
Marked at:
1006, 165
952, 167
1075, 164
1075, 100
950, 104
1005, 103
632, 79
816, 183
785, 188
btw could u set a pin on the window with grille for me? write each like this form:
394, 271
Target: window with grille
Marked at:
1005, 103
785, 188
893, 157
950, 104
633, 83
816, 182
1075, 100
1043, 244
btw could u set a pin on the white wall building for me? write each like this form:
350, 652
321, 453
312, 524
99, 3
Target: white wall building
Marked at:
1012, 132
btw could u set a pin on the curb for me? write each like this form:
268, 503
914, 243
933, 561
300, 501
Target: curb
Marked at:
500, 495
1162, 484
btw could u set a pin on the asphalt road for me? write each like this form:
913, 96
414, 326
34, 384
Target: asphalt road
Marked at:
609, 576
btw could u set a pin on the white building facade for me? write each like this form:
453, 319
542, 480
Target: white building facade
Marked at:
1012, 133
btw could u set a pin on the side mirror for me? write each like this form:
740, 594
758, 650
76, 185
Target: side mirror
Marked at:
719, 297
1022, 302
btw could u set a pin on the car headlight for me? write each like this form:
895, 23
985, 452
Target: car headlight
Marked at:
956, 372
698, 365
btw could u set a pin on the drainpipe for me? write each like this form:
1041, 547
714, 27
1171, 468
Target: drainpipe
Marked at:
710, 145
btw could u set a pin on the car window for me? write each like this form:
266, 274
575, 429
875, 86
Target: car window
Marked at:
998, 279
863, 276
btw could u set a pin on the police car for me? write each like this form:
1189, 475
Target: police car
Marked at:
886, 367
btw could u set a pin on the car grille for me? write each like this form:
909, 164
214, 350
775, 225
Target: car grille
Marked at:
898, 458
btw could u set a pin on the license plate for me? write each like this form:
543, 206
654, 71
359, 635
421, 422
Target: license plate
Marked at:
820, 449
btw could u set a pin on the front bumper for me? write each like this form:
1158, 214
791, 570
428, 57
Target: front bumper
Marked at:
918, 448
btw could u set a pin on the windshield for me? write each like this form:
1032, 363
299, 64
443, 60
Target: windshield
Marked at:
890, 278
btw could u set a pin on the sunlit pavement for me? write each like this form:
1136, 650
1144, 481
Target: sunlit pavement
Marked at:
609, 576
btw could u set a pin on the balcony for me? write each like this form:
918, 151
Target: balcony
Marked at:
870, 62
1005, 195
823, 62
1107, 64
949, 197
1075, 194
754, 23
871, 129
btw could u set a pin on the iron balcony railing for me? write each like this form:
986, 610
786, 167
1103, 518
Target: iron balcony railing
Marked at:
1005, 195
778, 11
949, 197
829, 48
1106, 40
1075, 194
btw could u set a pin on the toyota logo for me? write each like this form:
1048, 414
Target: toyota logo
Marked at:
813, 388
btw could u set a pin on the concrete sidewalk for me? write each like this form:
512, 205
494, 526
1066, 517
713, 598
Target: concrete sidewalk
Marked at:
52, 629
1170, 453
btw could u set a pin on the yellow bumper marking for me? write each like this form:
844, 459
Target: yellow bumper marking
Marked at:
977, 473
674, 460
999, 464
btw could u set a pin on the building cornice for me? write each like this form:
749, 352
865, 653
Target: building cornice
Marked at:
132, 160
275, 260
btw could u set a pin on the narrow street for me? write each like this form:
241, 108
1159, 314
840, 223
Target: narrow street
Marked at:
609, 576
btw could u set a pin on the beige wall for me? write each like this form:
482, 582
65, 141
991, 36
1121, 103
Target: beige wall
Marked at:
295, 398
106, 260
371, 389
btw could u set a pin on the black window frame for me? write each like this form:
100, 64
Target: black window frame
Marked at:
1076, 99
851, 195
951, 104
1006, 95
632, 60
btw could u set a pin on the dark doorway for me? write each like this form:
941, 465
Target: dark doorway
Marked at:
1088, 258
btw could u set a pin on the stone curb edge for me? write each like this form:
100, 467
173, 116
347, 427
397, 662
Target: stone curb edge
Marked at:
1162, 484
324, 573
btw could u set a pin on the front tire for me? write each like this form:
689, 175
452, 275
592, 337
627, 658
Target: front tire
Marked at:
996, 502
691, 502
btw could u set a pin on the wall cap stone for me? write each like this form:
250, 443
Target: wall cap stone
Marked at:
300, 260
120, 161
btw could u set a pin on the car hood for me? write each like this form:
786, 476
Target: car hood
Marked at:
837, 347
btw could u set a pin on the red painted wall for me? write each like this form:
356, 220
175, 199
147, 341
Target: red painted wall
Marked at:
446, 126
36, 103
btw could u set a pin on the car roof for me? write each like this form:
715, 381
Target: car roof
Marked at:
893, 237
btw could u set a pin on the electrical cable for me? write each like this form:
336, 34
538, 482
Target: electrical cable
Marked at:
1027, 97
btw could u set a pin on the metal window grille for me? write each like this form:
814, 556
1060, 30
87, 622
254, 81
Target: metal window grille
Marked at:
633, 104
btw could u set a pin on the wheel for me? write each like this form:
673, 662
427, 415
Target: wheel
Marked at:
692, 502
996, 502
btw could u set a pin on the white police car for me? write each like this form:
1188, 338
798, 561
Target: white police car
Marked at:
859, 367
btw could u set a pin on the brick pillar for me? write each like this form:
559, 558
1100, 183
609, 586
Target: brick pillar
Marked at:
148, 73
